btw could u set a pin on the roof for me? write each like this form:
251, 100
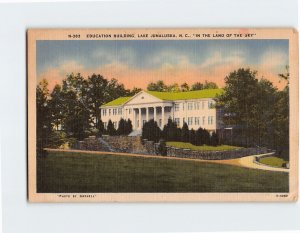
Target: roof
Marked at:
116, 102
186, 95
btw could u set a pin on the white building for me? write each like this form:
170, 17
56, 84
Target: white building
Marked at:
196, 108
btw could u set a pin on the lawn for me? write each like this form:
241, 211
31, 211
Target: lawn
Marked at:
272, 161
187, 145
75, 172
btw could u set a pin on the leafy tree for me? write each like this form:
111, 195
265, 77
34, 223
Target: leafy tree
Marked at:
57, 138
56, 106
111, 129
134, 91
173, 88
184, 87
197, 86
210, 85
158, 86
101, 129
185, 133
43, 123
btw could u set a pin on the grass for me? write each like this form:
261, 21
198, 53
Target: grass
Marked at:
272, 161
74, 172
186, 145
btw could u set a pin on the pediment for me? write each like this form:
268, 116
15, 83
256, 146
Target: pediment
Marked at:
143, 98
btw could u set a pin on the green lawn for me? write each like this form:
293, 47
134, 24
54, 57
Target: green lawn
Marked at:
75, 172
187, 145
272, 161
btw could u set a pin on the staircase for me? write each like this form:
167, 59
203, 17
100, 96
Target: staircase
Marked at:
136, 132
105, 145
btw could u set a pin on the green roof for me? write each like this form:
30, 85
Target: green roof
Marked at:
116, 102
186, 95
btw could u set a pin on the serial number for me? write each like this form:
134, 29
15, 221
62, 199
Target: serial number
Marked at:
74, 36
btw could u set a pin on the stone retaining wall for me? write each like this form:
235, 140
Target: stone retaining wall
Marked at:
151, 148
126, 144
90, 143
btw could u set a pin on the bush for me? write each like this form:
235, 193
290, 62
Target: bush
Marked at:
151, 131
162, 147
185, 133
111, 129
57, 139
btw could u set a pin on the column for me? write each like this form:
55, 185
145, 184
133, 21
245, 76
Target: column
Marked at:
140, 119
134, 118
154, 114
147, 114
162, 116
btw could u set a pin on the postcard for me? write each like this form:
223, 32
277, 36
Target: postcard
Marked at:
162, 115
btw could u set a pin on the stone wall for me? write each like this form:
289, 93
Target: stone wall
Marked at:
126, 144
90, 143
151, 148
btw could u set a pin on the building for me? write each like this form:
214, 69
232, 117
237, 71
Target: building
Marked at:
196, 108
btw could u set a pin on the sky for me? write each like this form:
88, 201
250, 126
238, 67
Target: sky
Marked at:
135, 63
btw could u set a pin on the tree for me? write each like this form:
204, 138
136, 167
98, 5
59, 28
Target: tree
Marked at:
199, 137
173, 88
210, 85
192, 137
128, 127
240, 99
214, 139
158, 86
170, 131
197, 86
184, 87
56, 107
43, 122
76, 111
151, 131
111, 129
185, 133
122, 127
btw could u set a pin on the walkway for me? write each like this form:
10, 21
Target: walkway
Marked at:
247, 161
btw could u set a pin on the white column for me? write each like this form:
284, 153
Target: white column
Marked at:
147, 114
162, 116
134, 118
154, 114
140, 119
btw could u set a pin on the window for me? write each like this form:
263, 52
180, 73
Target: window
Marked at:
190, 106
210, 104
104, 112
177, 121
203, 104
176, 107
114, 111
203, 120
120, 111
183, 106
190, 120
196, 105
197, 120
129, 110
210, 120
109, 111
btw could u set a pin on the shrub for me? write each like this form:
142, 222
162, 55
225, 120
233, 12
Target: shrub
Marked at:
162, 147
111, 129
185, 133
